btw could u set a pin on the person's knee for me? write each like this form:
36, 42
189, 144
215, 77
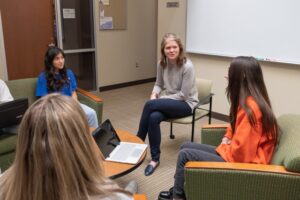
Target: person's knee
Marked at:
150, 104
183, 155
155, 118
92, 118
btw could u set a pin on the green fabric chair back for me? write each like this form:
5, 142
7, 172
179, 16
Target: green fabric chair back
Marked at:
287, 152
23, 88
204, 87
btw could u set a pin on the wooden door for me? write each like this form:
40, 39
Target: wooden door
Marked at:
28, 29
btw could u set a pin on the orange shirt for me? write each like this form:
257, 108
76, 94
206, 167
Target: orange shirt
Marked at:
248, 144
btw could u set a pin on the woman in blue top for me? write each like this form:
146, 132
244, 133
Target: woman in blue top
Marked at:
57, 78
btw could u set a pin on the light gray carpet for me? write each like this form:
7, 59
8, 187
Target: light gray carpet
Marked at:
124, 107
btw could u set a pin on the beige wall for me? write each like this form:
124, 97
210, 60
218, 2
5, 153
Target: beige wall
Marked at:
119, 50
3, 69
170, 20
282, 80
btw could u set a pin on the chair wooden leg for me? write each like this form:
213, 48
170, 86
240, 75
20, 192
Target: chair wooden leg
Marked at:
171, 131
210, 107
193, 128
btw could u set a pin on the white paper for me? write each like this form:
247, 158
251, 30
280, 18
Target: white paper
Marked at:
69, 13
105, 2
106, 23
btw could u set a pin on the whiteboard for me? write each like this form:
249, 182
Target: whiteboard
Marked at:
266, 29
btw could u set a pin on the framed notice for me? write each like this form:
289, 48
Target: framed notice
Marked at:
113, 14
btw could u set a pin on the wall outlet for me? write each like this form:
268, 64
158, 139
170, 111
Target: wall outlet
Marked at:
137, 65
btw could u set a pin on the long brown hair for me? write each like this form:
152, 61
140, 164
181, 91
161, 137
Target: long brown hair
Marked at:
55, 156
245, 78
181, 57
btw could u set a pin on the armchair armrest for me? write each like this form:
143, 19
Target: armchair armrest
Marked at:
239, 166
139, 197
212, 134
219, 180
92, 101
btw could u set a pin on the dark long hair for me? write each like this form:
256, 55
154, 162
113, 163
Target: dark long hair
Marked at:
181, 57
245, 78
54, 83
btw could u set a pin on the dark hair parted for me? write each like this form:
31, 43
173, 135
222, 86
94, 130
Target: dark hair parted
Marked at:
181, 57
54, 82
245, 78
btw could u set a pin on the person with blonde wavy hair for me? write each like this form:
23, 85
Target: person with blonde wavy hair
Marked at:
56, 156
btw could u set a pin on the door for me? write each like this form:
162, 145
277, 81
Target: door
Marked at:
27, 30
75, 35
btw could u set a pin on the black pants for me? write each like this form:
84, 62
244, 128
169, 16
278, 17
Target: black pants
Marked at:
192, 152
156, 111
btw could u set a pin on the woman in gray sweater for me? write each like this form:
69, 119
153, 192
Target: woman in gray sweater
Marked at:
176, 77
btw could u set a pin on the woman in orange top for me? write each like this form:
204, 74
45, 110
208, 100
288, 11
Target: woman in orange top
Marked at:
253, 131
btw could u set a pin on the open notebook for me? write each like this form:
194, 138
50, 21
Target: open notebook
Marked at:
113, 149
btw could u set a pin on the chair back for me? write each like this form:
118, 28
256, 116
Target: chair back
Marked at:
287, 152
23, 88
204, 88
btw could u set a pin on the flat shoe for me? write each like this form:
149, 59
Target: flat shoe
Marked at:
164, 195
150, 169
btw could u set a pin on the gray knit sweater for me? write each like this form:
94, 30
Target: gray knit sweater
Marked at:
177, 82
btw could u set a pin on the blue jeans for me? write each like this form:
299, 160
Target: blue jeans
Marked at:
192, 152
91, 115
156, 111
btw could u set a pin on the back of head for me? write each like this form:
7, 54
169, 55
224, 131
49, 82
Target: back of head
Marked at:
245, 78
55, 158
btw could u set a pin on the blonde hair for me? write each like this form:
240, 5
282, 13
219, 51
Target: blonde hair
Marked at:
181, 57
55, 155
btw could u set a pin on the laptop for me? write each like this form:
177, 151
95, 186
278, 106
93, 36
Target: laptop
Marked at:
113, 149
11, 113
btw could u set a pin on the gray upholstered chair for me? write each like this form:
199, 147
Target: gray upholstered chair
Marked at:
21, 88
205, 97
228, 181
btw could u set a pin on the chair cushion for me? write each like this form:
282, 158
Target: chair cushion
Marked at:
287, 152
188, 120
7, 143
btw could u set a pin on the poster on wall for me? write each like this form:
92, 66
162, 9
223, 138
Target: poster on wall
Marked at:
112, 14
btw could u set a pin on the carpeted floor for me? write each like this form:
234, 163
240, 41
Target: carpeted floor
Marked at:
124, 107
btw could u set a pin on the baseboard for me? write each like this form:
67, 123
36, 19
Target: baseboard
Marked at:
220, 116
121, 85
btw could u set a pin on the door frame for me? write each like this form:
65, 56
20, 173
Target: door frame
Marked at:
59, 31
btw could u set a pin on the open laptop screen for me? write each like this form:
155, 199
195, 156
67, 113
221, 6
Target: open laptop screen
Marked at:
106, 138
11, 113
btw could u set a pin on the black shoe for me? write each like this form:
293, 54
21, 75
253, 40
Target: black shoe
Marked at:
150, 169
166, 194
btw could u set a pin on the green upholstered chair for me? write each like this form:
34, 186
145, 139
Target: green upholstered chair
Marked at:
21, 88
227, 181
205, 98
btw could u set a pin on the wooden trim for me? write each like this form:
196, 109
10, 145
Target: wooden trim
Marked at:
139, 197
215, 126
90, 95
220, 116
121, 85
240, 166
